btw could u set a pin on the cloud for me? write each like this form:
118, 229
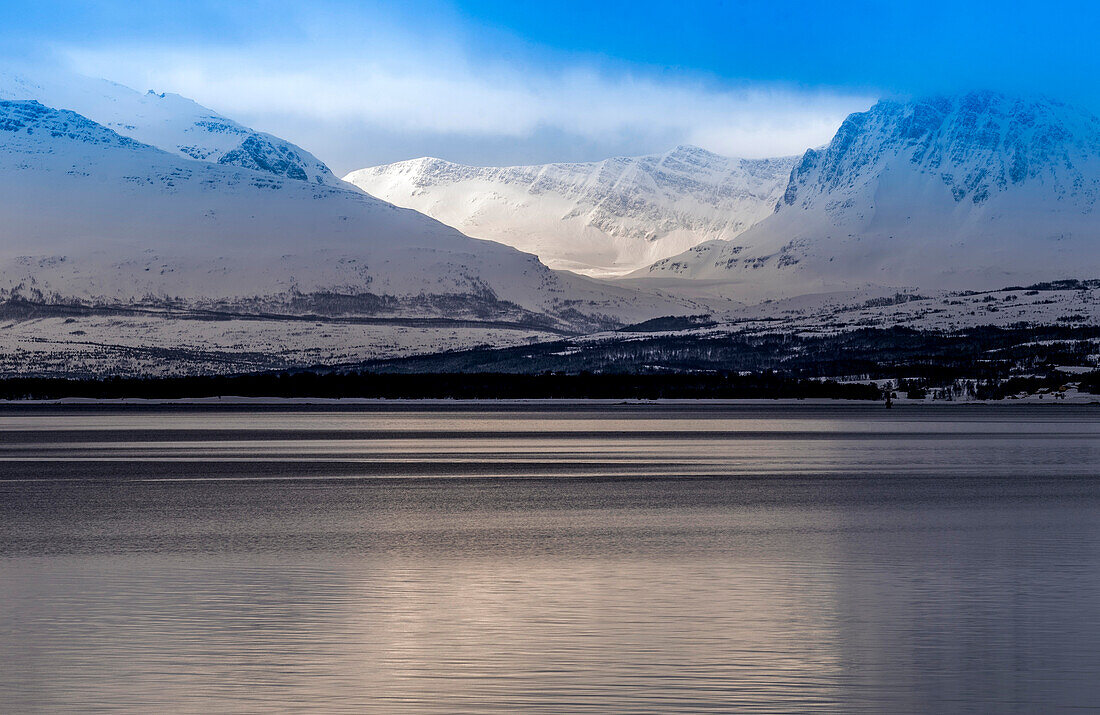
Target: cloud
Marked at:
358, 105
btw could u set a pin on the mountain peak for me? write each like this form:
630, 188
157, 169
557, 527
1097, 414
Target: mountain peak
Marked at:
978, 143
969, 190
600, 218
689, 150
169, 122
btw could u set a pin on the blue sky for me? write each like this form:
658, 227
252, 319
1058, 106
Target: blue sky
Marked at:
495, 82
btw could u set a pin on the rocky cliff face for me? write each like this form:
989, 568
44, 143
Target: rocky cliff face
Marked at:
977, 146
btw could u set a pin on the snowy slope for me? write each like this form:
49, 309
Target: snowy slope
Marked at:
169, 122
973, 191
135, 343
93, 217
603, 218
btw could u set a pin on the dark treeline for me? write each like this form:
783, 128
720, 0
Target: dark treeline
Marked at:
456, 386
988, 354
981, 363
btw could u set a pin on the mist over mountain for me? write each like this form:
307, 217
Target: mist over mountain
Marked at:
167, 121
600, 218
95, 218
162, 209
971, 191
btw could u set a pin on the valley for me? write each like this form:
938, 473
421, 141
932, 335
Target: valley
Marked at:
152, 236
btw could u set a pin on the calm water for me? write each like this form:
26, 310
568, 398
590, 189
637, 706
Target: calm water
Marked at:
577, 558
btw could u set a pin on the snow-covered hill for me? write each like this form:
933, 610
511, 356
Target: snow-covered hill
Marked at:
603, 218
94, 218
968, 192
167, 121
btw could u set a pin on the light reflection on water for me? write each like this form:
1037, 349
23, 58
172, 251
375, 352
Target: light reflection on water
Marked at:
388, 560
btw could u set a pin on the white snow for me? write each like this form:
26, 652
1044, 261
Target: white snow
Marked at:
167, 121
977, 191
112, 249
599, 219
99, 218
97, 345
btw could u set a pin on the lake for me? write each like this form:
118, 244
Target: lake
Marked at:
582, 557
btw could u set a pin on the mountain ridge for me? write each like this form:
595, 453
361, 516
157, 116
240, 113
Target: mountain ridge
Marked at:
597, 218
169, 122
965, 191
97, 218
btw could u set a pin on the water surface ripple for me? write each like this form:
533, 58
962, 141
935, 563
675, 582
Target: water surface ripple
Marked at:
569, 558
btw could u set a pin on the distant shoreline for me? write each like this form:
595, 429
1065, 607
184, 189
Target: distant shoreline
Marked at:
242, 401
443, 389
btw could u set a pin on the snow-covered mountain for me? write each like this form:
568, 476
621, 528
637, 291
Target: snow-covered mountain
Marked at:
600, 219
974, 191
94, 218
167, 121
